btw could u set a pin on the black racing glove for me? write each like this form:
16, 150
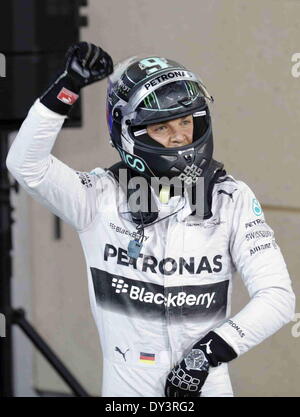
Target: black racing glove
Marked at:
187, 378
84, 64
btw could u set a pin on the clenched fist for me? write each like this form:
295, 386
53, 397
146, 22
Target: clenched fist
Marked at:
84, 64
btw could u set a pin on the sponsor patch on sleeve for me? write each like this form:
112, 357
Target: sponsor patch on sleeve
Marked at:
256, 207
67, 96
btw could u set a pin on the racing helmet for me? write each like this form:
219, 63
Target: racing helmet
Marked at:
144, 91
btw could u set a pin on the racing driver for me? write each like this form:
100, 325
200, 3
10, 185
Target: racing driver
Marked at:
160, 276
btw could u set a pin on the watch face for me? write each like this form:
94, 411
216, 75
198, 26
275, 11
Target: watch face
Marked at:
196, 360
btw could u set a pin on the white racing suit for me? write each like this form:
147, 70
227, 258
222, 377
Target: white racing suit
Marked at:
150, 313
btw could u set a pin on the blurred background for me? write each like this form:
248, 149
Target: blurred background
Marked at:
245, 54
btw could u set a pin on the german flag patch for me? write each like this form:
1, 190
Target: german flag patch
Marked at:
147, 357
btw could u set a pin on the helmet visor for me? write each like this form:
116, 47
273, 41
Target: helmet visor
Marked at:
176, 99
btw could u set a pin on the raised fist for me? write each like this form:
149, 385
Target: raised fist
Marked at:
84, 64
87, 63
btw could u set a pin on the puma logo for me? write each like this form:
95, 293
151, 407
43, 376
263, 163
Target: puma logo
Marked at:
119, 351
208, 349
225, 192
